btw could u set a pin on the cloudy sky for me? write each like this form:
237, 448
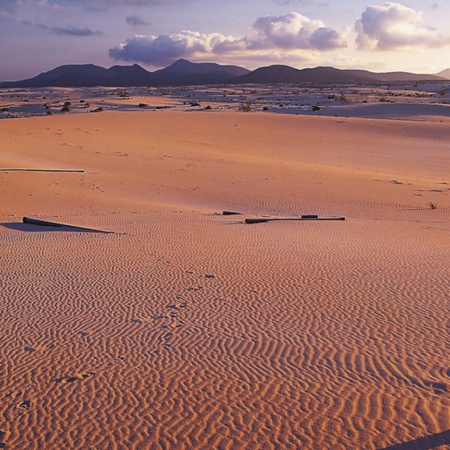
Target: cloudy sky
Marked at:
409, 35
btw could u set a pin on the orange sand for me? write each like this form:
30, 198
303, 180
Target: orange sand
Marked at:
187, 329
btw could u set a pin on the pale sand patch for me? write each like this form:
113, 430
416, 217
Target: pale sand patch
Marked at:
188, 329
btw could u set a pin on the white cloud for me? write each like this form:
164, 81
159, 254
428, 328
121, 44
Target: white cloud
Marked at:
163, 49
290, 33
391, 26
295, 31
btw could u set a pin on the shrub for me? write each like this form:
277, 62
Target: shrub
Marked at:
245, 107
432, 205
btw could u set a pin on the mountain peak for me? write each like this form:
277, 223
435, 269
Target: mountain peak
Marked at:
183, 72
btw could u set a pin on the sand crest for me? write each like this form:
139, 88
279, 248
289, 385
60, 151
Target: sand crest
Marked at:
188, 329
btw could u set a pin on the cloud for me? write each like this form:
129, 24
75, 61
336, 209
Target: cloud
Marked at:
295, 31
391, 26
56, 3
136, 21
302, 2
163, 49
135, 2
290, 33
74, 31
68, 30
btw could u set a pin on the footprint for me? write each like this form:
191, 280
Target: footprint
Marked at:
118, 358
78, 377
194, 288
24, 405
35, 348
175, 324
439, 388
178, 305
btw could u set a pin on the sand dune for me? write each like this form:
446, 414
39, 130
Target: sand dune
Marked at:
188, 329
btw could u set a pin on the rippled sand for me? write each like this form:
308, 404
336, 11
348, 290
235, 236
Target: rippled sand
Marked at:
188, 329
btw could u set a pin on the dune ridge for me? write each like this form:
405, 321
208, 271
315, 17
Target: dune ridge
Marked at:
189, 329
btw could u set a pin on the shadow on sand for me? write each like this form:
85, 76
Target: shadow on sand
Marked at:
19, 226
425, 443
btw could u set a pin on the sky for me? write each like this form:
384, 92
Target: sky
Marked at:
405, 35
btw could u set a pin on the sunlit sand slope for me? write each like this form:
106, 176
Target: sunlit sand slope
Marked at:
187, 329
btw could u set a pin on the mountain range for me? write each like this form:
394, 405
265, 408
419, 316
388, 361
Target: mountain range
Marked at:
183, 72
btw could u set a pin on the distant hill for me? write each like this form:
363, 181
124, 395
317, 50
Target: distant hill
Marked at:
68, 75
286, 74
183, 66
444, 74
183, 72
133, 75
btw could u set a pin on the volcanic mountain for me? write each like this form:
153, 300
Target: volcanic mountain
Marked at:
286, 74
183, 72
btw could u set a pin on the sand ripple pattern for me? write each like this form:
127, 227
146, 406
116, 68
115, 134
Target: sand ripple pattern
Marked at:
227, 336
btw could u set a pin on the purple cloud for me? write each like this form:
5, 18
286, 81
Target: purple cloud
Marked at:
136, 21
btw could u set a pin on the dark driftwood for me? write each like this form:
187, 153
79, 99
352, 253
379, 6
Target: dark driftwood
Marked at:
46, 223
305, 217
18, 169
231, 213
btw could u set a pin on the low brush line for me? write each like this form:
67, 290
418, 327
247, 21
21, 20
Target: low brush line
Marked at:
45, 223
16, 169
272, 219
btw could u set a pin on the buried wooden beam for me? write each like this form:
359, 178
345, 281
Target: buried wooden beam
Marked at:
230, 213
305, 217
46, 223
18, 169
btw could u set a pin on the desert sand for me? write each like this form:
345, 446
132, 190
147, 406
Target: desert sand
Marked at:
188, 329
